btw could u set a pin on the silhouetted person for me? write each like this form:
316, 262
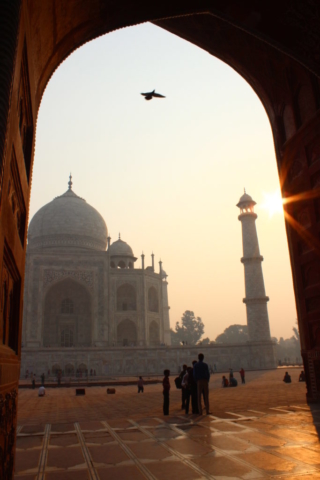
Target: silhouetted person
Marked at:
287, 378
302, 376
41, 391
194, 392
42, 379
230, 374
242, 375
187, 383
33, 384
201, 375
166, 391
183, 390
140, 385
233, 382
225, 382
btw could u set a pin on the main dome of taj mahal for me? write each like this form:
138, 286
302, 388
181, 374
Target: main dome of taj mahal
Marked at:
68, 221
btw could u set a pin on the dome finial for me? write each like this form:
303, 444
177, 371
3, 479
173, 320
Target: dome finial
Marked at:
119, 236
244, 190
70, 182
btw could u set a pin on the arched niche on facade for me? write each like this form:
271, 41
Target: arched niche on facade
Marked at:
126, 297
127, 333
121, 264
82, 369
154, 333
153, 300
112, 264
55, 369
67, 315
69, 370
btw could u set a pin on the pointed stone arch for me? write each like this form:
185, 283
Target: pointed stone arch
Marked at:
154, 334
127, 333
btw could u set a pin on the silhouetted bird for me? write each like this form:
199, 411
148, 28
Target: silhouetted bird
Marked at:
149, 95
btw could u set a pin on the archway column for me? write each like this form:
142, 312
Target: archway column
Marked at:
299, 169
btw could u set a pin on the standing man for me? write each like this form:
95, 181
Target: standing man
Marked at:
242, 375
183, 390
166, 391
201, 375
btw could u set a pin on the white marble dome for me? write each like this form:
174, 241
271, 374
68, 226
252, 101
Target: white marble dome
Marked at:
68, 221
119, 248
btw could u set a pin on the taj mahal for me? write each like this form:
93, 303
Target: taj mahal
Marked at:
87, 306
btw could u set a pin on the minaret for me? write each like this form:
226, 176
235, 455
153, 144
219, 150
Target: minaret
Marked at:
256, 299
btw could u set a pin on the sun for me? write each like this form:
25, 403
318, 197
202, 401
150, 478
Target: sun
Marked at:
273, 202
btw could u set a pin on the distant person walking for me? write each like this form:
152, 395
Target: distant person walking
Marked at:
201, 375
140, 385
166, 391
42, 379
230, 374
242, 375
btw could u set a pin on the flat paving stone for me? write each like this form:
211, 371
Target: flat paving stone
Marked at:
222, 467
293, 435
28, 442
150, 451
99, 438
187, 446
65, 457
269, 463
63, 440
132, 435
27, 460
78, 475
261, 440
172, 471
302, 454
120, 473
228, 443
108, 454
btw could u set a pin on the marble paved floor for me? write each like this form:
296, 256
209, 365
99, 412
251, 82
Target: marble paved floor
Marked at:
238, 441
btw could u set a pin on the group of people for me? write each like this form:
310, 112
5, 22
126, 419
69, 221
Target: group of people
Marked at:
194, 384
287, 377
232, 382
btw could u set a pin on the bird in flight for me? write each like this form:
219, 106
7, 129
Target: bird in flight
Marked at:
149, 95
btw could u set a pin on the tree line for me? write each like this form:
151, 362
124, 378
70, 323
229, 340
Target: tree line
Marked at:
190, 331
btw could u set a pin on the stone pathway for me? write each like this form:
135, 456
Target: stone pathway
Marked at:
239, 441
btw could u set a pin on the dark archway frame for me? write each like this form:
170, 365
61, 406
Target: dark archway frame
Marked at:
274, 45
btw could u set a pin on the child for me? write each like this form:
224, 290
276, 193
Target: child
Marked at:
166, 390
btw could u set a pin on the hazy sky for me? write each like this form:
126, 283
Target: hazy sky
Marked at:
168, 173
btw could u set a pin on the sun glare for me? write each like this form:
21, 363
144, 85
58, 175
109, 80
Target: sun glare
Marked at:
273, 203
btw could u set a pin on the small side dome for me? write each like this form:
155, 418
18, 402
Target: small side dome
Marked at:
119, 248
121, 255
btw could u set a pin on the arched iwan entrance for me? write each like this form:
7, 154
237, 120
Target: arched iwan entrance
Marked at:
67, 315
